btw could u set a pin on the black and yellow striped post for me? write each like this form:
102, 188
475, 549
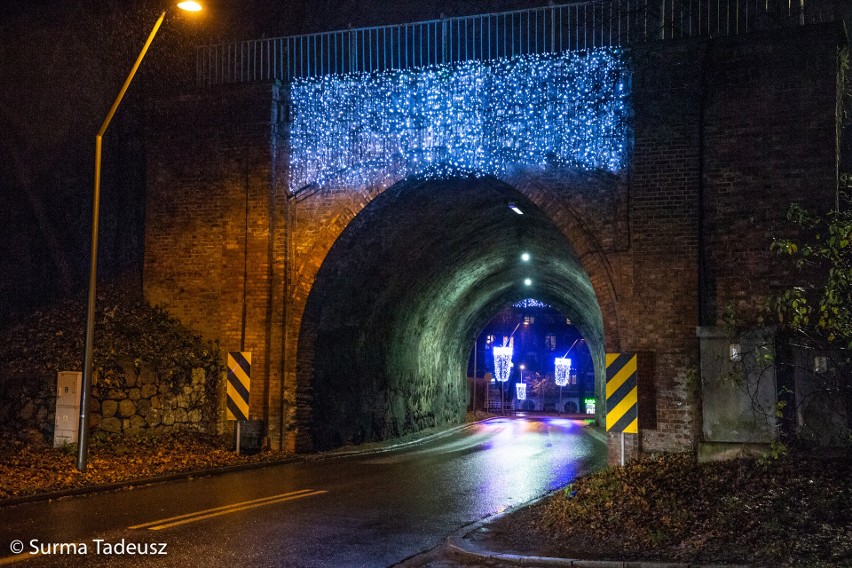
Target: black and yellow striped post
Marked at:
238, 388
622, 400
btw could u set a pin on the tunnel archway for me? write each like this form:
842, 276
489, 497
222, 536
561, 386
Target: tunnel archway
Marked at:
388, 325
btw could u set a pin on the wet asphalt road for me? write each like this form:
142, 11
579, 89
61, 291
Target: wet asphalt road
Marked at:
367, 510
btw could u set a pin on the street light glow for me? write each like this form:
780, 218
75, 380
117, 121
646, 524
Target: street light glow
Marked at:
190, 6
528, 281
525, 257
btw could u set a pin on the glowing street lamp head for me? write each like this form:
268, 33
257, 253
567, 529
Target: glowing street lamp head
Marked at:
525, 257
190, 6
527, 281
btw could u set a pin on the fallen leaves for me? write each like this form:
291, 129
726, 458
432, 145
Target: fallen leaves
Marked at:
27, 468
788, 512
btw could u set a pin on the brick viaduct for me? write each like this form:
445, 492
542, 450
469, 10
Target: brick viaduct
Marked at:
360, 306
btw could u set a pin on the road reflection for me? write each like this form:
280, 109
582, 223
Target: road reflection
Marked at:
529, 456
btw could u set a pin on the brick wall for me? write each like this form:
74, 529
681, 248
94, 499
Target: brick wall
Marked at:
726, 133
210, 256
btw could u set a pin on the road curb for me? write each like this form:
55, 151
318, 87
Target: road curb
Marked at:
458, 544
366, 452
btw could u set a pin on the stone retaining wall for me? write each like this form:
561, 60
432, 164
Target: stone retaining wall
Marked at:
127, 401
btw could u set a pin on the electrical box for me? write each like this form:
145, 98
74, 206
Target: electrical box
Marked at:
68, 385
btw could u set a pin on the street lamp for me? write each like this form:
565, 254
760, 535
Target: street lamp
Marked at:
518, 396
502, 367
88, 366
562, 372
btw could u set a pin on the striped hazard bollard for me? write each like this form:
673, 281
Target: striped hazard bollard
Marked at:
238, 388
622, 400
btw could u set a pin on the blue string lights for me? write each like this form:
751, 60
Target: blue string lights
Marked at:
530, 303
472, 118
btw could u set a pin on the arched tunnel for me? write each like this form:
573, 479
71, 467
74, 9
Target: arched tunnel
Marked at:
390, 321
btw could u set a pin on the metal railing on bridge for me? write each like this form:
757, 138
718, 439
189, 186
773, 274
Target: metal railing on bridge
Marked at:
576, 26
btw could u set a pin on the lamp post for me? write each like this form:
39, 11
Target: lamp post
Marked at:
88, 365
475, 343
502, 367
521, 368
562, 372
503, 363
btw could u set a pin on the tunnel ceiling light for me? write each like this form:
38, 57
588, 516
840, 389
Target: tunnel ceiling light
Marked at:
525, 257
515, 208
471, 118
528, 281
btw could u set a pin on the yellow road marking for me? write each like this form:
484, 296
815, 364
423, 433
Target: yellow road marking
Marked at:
224, 510
18, 558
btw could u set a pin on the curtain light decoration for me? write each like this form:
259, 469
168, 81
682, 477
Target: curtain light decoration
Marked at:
472, 118
521, 391
562, 371
502, 363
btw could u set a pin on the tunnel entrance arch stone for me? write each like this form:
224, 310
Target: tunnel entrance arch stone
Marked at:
384, 335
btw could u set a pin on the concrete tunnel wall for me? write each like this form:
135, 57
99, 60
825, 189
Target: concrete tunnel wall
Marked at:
390, 321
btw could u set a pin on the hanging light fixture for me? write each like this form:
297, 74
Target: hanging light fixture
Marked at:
502, 363
562, 371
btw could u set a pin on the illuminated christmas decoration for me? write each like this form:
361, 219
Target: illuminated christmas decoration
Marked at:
521, 391
530, 303
473, 118
502, 363
562, 371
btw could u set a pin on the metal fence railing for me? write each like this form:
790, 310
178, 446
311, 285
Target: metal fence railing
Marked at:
575, 26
